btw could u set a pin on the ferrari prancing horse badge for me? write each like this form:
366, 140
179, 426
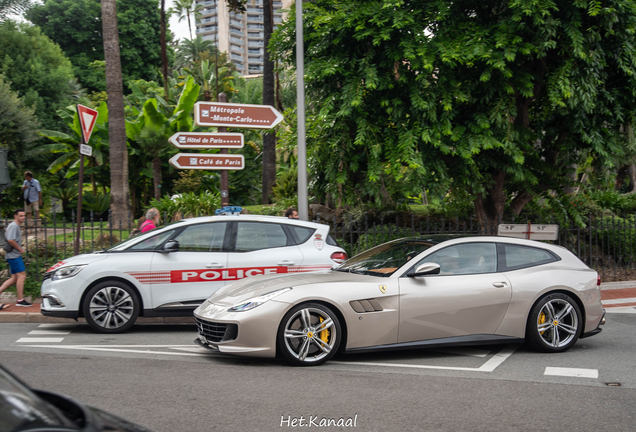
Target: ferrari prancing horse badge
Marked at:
383, 289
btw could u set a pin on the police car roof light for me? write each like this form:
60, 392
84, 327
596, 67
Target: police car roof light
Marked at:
228, 210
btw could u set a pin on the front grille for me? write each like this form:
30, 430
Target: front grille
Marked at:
217, 332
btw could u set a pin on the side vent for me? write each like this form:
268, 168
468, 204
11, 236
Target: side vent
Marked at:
368, 305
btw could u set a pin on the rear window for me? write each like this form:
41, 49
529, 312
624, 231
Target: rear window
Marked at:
517, 257
302, 234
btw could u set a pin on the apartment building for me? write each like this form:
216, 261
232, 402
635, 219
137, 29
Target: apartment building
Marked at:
240, 35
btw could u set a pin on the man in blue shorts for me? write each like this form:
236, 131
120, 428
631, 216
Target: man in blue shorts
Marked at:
14, 258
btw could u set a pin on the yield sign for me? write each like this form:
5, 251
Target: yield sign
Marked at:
236, 115
87, 119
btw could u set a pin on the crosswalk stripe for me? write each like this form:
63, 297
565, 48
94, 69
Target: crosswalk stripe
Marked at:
39, 340
49, 332
571, 372
619, 301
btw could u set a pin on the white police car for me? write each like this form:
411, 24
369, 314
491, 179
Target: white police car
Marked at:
171, 270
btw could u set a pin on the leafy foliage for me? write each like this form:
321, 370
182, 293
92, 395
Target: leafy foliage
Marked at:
496, 98
138, 22
36, 69
187, 205
17, 121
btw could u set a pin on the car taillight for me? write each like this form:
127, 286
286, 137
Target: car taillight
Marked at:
339, 257
598, 280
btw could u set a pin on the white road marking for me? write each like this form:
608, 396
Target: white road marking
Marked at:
49, 332
102, 348
622, 310
194, 349
571, 372
489, 366
619, 301
465, 352
64, 325
39, 340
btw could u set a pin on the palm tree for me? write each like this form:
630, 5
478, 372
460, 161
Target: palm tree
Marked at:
186, 8
190, 51
119, 189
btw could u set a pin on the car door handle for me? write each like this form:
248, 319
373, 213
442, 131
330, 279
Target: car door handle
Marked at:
286, 263
499, 284
214, 265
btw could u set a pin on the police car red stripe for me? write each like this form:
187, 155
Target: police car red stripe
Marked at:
222, 275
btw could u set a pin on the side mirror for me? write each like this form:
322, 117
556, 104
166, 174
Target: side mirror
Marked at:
170, 246
426, 269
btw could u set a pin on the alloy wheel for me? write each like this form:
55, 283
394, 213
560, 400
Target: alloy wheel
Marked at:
557, 323
111, 307
310, 335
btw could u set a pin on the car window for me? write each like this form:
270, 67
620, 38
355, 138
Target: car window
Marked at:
467, 258
516, 257
206, 237
252, 236
302, 233
152, 242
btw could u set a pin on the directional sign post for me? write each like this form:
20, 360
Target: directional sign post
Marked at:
87, 118
236, 115
206, 140
202, 161
224, 115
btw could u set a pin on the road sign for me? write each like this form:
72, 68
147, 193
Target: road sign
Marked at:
206, 140
529, 231
86, 150
208, 161
236, 115
87, 117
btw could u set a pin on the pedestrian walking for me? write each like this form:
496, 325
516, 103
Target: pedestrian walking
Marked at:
32, 194
13, 235
152, 220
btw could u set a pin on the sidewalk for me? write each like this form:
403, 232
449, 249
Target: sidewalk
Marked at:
31, 314
619, 295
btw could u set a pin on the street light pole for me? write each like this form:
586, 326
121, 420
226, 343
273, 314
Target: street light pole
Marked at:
303, 205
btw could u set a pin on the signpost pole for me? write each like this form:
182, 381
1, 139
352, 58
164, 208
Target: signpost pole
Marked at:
225, 181
79, 199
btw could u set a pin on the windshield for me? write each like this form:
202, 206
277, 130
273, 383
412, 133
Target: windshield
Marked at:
385, 259
124, 244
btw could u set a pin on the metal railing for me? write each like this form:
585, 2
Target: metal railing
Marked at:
607, 244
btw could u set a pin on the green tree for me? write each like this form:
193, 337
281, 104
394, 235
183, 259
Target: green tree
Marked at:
139, 25
37, 69
18, 123
496, 98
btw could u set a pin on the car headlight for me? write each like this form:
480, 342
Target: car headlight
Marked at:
257, 301
67, 272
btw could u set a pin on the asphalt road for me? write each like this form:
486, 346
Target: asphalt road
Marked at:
156, 376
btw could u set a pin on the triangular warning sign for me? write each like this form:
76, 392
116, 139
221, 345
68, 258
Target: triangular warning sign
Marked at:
87, 117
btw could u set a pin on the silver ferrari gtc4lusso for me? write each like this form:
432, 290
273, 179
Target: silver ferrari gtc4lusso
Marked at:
410, 293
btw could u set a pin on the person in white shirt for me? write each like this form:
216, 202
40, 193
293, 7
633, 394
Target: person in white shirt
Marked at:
32, 193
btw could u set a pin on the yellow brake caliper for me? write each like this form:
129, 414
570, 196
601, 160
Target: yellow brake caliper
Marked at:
324, 335
542, 320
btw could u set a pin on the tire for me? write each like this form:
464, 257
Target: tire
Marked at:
554, 324
304, 340
111, 307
